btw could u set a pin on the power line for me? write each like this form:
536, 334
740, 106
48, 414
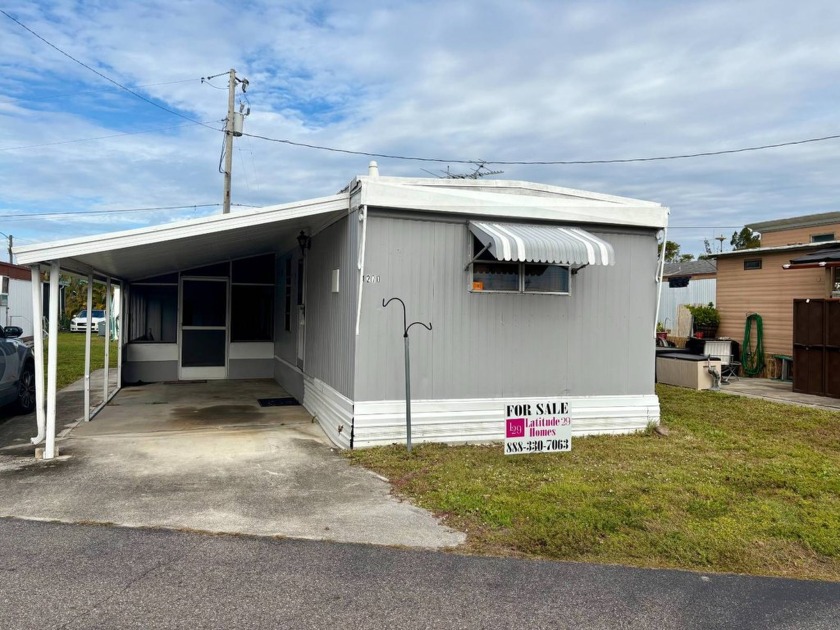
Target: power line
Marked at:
38, 215
193, 206
116, 135
544, 162
56, 95
682, 156
96, 72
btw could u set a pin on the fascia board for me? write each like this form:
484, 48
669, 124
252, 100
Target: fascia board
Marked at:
467, 184
775, 248
490, 204
173, 231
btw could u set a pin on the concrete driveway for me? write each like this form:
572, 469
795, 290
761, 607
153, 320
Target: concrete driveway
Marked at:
206, 456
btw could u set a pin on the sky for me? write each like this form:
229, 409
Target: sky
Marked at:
523, 81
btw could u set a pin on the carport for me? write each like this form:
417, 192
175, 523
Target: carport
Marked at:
204, 455
203, 348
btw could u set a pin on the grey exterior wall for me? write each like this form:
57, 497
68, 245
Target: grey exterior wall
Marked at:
330, 317
149, 371
596, 341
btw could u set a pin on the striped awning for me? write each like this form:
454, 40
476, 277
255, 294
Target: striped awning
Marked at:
543, 243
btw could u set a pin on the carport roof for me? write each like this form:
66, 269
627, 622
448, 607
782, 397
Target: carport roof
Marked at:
141, 253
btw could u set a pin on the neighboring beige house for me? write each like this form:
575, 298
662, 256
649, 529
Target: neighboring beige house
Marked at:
764, 281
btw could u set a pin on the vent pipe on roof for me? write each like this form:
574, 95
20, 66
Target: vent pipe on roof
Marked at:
373, 169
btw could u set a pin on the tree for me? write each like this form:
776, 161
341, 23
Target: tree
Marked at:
672, 251
745, 239
75, 295
708, 249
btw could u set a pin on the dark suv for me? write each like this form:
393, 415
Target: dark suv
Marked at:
17, 370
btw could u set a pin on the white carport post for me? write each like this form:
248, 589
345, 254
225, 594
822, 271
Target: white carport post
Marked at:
52, 360
87, 345
120, 326
658, 277
38, 333
107, 336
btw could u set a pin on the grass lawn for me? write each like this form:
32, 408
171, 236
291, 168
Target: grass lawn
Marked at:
739, 485
71, 356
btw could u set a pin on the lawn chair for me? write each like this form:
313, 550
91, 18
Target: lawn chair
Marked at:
729, 365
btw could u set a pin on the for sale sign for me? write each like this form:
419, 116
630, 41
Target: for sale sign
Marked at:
538, 427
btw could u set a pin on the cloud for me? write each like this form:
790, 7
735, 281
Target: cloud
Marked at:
470, 80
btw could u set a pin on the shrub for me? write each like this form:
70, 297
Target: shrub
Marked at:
705, 315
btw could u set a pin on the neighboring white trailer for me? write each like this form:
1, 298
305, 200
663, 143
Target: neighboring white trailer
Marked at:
16, 297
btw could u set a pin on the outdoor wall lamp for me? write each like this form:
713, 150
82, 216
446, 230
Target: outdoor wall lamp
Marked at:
304, 241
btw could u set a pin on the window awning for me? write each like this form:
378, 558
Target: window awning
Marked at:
543, 243
823, 258
831, 254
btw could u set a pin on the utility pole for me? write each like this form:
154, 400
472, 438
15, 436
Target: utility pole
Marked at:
229, 141
11, 243
233, 127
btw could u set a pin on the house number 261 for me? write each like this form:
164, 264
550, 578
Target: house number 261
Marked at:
371, 279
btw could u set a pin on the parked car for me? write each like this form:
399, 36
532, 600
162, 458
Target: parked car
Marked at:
80, 322
17, 370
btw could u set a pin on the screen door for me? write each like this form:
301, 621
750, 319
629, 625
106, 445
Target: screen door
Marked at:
204, 328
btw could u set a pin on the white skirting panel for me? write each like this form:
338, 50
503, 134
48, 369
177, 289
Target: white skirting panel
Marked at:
333, 411
142, 352
482, 420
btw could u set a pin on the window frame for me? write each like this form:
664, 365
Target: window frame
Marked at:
752, 267
521, 290
825, 237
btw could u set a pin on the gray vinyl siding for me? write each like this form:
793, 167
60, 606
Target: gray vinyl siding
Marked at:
596, 341
330, 317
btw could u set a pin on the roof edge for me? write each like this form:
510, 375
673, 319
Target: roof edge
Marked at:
775, 248
453, 183
41, 252
810, 220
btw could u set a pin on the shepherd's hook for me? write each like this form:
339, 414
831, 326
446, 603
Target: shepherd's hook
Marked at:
406, 328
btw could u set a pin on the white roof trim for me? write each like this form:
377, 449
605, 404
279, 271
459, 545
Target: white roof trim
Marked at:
774, 248
521, 201
41, 252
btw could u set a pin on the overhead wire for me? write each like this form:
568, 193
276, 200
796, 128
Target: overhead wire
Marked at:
682, 156
38, 215
76, 92
92, 139
107, 78
679, 156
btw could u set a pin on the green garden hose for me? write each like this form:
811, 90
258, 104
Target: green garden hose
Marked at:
752, 359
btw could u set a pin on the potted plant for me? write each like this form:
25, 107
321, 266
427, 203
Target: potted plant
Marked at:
661, 331
706, 320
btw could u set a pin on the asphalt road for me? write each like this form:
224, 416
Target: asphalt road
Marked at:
75, 576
